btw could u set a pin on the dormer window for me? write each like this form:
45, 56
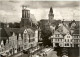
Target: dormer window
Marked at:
57, 35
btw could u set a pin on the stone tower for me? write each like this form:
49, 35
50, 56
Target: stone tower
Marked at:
51, 15
25, 20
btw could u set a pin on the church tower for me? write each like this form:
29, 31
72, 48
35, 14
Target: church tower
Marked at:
51, 15
25, 20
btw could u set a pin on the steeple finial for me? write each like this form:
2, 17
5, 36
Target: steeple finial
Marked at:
51, 10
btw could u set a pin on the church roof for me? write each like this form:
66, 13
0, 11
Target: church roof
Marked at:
4, 32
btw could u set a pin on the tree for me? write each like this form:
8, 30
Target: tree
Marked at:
16, 25
45, 34
11, 25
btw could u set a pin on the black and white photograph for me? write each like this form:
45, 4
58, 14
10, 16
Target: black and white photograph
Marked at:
39, 28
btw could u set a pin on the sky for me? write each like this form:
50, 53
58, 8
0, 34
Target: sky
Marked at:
11, 10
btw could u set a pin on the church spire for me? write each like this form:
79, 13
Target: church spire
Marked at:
51, 10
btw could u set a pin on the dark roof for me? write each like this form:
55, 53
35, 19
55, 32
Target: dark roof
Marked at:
4, 32
15, 30
77, 22
29, 30
76, 31
51, 10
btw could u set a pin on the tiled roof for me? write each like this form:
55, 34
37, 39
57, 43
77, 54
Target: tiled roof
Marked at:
15, 30
4, 32
76, 31
29, 30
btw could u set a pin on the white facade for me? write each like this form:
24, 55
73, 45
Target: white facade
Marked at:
57, 39
25, 39
36, 35
13, 42
68, 41
62, 40
2, 49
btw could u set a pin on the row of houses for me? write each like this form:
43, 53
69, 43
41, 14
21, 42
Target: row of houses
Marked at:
14, 40
65, 36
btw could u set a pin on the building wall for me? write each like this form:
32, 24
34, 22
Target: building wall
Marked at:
13, 43
2, 49
25, 39
57, 39
20, 43
76, 40
68, 40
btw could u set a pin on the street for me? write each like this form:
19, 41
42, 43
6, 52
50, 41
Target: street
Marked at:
49, 53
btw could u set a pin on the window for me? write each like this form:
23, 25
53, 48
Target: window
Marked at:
24, 46
68, 40
67, 44
55, 39
65, 40
68, 36
77, 36
25, 37
57, 35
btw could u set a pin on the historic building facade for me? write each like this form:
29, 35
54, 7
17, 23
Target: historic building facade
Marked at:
64, 37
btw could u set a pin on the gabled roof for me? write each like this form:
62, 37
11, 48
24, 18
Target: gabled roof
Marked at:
4, 32
61, 28
15, 30
29, 30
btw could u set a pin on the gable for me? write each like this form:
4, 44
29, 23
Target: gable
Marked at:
25, 31
57, 33
65, 30
68, 36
